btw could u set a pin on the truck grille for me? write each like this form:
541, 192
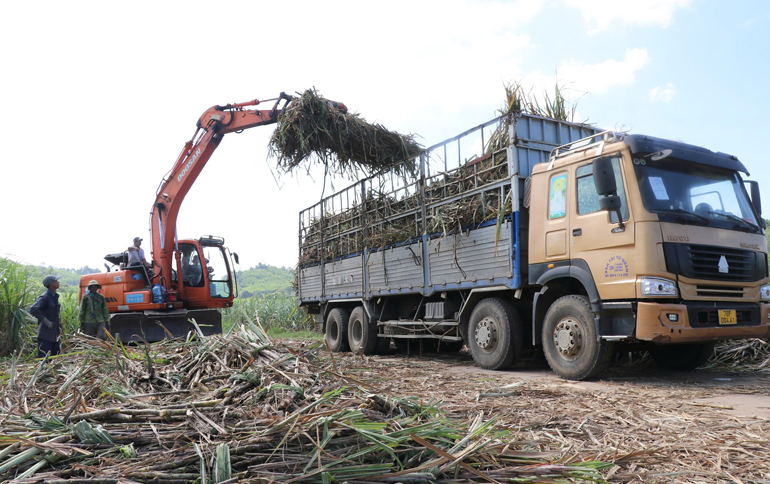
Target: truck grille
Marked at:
719, 291
705, 261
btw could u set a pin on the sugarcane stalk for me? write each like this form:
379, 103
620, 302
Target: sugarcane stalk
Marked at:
24, 456
222, 469
96, 414
9, 449
73, 377
37, 373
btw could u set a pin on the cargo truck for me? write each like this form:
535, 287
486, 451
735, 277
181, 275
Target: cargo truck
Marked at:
527, 232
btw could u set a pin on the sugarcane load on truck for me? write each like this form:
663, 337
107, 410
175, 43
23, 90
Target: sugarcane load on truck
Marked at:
558, 236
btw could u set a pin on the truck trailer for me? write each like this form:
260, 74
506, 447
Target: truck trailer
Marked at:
528, 232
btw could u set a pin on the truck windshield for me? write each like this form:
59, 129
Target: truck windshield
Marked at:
690, 193
219, 275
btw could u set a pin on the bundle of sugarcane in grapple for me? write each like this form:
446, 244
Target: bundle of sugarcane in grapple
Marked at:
344, 142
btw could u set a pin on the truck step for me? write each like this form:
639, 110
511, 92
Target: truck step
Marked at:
419, 324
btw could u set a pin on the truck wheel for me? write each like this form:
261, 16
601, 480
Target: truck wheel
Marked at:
362, 333
494, 334
337, 329
682, 357
569, 340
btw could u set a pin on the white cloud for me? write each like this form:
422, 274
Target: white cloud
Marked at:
662, 94
597, 78
604, 14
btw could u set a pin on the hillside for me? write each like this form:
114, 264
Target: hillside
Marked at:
68, 278
264, 279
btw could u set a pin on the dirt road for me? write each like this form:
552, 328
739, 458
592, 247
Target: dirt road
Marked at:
653, 425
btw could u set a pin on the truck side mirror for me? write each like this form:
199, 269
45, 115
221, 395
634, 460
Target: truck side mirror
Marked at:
756, 198
611, 203
604, 177
606, 188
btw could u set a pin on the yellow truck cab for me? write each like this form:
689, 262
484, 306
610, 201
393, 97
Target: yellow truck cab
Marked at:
639, 239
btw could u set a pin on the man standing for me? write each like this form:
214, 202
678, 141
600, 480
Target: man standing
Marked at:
94, 317
46, 310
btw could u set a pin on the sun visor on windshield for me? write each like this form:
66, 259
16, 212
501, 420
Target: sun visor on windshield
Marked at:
642, 144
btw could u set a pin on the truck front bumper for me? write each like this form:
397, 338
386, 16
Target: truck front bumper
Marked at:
671, 323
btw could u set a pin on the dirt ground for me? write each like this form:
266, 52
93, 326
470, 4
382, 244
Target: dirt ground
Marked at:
653, 425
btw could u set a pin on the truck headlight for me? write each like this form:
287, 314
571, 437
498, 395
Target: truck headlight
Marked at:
654, 286
764, 292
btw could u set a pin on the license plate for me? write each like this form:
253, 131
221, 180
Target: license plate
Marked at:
727, 316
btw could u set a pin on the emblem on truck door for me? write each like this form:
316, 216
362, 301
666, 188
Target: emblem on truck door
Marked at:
723, 267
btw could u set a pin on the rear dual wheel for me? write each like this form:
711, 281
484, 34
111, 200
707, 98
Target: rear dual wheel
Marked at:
337, 330
362, 333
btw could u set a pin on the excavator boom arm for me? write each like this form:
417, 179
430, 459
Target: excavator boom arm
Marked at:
211, 128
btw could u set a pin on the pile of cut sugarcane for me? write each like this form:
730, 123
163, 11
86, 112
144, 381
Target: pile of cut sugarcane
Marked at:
238, 408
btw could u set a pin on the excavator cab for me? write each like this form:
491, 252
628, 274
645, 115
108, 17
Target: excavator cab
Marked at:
207, 277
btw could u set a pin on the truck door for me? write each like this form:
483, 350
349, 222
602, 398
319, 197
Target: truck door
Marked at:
596, 237
556, 241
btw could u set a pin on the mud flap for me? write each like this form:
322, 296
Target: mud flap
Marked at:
155, 326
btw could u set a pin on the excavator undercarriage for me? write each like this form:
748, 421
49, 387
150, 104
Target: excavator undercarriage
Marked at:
154, 326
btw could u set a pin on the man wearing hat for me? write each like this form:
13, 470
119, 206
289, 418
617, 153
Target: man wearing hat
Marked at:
46, 310
94, 317
136, 254
136, 259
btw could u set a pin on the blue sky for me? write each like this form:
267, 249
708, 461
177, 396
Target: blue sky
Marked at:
99, 97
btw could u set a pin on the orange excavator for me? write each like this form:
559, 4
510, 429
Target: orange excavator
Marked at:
189, 279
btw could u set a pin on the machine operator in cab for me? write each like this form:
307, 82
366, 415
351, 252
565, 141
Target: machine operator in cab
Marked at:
136, 259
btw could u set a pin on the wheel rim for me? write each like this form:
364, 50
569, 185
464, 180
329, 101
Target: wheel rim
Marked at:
486, 334
357, 332
568, 338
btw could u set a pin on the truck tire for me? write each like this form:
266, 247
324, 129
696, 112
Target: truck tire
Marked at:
337, 330
494, 334
682, 357
362, 333
569, 340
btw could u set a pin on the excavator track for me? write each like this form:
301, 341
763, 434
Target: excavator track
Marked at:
155, 326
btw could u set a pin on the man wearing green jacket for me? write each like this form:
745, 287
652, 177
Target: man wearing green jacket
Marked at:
94, 317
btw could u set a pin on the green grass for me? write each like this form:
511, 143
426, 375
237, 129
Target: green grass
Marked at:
17, 293
276, 312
